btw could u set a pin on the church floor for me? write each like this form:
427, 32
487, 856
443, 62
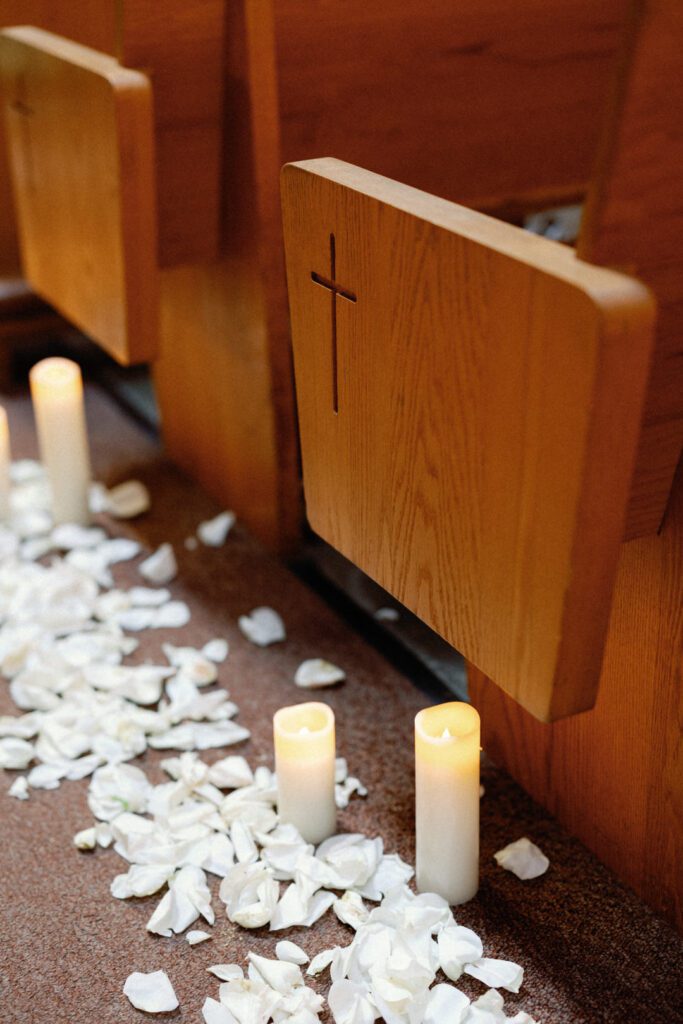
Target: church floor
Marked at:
592, 952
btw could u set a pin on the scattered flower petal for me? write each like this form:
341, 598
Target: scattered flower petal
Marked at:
127, 500
290, 952
152, 993
523, 858
161, 567
497, 973
263, 626
316, 673
213, 532
19, 788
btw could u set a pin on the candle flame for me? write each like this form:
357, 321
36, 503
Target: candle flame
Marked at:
304, 731
446, 734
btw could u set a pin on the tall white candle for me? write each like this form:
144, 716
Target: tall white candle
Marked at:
447, 745
5, 460
304, 763
57, 392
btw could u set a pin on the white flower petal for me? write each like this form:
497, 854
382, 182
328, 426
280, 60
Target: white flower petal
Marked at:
15, 753
263, 626
195, 937
290, 952
216, 650
118, 787
387, 615
216, 1013
161, 567
152, 993
227, 972
19, 788
349, 1004
445, 1003
458, 946
523, 858
231, 773
316, 673
127, 500
250, 894
320, 962
351, 910
213, 532
497, 973
148, 597
279, 974
172, 615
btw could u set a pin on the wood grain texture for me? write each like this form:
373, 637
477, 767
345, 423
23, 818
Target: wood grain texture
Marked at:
613, 776
483, 103
180, 45
473, 102
634, 220
80, 133
490, 388
90, 22
224, 375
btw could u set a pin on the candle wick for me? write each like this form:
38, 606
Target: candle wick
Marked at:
446, 734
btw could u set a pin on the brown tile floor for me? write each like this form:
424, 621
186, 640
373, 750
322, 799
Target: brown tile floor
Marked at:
591, 951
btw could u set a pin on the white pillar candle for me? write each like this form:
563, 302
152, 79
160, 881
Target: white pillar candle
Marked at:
447, 745
57, 392
304, 763
5, 460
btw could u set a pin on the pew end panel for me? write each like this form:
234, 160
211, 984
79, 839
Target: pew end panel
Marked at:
81, 144
470, 399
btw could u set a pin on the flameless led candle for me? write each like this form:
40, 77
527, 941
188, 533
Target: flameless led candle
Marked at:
57, 392
304, 763
447, 739
5, 459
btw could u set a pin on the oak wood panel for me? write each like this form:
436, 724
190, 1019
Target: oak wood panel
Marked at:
484, 103
224, 376
489, 388
180, 45
613, 776
215, 307
80, 132
90, 22
634, 220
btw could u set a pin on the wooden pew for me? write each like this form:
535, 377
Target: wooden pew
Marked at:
614, 776
398, 467
487, 104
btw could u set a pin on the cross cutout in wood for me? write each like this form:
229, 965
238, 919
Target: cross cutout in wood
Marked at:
493, 388
335, 290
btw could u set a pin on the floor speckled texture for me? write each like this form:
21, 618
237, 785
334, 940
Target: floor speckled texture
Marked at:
592, 952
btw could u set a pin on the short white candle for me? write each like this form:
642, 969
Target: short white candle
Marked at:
5, 460
447, 745
57, 392
304, 763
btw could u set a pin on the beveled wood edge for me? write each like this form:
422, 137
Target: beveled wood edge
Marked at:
603, 286
101, 64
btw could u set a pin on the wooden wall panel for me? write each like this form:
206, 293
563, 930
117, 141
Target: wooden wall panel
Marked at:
613, 775
180, 44
484, 103
634, 220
